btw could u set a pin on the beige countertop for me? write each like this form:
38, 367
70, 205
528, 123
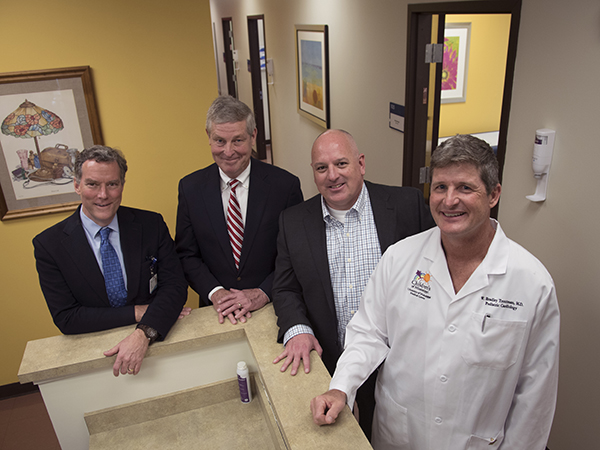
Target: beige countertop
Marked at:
210, 416
64, 356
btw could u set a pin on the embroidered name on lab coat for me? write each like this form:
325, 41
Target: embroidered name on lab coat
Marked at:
501, 303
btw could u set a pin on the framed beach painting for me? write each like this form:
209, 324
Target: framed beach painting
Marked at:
312, 73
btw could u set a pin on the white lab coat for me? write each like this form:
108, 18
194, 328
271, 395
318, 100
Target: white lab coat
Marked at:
473, 370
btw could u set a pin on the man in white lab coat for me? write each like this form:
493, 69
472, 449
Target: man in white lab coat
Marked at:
465, 321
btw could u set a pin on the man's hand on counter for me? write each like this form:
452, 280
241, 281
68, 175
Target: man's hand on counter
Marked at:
326, 407
237, 305
130, 353
298, 349
185, 312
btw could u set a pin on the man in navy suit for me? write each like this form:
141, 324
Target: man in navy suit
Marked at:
232, 268
72, 264
327, 248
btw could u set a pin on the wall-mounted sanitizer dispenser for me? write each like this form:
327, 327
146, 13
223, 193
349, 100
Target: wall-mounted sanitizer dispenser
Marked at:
542, 158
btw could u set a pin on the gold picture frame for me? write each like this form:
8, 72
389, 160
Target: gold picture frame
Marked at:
53, 109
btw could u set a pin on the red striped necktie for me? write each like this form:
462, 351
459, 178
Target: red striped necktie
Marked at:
235, 225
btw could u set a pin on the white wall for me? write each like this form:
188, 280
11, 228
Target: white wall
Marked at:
367, 44
556, 86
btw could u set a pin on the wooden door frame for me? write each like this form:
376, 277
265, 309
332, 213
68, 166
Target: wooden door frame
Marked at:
257, 88
512, 7
228, 43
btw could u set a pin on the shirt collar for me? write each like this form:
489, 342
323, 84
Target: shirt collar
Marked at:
495, 261
92, 228
359, 205
243, 178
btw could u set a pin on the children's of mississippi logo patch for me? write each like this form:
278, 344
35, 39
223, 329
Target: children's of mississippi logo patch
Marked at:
419, 286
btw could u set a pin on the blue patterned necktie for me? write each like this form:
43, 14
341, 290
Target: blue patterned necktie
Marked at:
113, 277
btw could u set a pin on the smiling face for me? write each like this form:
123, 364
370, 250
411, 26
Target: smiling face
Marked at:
338, 169
231, 146
101, 190
459, 202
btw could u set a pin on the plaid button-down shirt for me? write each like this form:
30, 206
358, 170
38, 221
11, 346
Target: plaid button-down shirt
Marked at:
353, 251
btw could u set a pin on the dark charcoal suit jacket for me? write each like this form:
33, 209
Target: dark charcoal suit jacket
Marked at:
73, 285
201, 238
302, 292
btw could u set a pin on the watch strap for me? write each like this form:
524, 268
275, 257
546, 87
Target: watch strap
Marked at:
150, 332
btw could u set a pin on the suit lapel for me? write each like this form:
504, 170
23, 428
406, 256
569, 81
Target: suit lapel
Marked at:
211, 194
131, 245
384, 214
317, 243
257, 201
77, 246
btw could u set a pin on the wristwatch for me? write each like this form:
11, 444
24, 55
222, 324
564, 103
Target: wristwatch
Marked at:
150, 332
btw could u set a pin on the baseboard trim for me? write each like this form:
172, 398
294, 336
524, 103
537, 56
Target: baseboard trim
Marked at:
16, 389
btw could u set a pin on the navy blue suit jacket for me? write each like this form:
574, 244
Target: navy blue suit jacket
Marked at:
201, 237
73, 284
302, 291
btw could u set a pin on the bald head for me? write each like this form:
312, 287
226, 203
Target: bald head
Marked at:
331, 138
338, 168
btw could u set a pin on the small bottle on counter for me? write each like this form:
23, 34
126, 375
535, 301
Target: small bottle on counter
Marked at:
243, 377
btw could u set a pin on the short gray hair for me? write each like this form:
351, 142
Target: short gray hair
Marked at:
100, 153
226, 109
467, 149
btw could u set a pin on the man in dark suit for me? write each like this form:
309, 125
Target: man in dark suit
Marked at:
227, 218
327, 248
108, 266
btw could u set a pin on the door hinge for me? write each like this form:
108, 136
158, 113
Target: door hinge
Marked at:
434, 53
424, 175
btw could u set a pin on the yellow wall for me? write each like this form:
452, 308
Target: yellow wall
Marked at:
154, 76
485, 80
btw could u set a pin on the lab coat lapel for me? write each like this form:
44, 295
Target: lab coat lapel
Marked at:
438, 269
131, 245
494, 263
78, 247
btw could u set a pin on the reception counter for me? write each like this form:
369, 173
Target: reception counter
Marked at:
185, 395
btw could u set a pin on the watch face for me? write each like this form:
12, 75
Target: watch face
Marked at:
151, 333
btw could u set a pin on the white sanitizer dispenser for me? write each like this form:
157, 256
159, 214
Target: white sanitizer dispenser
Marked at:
542, 158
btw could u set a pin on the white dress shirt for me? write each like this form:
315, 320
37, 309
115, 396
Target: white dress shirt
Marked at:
241, 192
